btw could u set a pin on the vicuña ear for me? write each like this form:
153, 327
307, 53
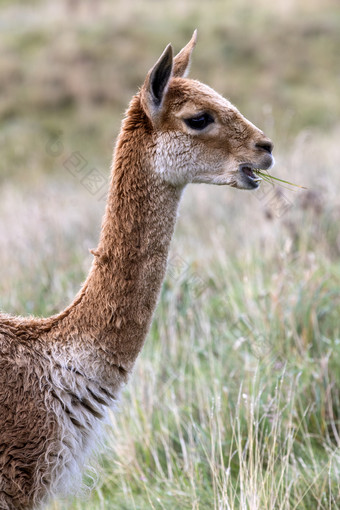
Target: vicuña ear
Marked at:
156, 83
182, 60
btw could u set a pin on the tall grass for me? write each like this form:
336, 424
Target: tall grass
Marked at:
234, 402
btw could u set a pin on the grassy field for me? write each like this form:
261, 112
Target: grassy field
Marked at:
235, 400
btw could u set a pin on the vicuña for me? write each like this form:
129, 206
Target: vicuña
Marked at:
59, 375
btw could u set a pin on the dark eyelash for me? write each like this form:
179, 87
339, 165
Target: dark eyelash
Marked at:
200, 121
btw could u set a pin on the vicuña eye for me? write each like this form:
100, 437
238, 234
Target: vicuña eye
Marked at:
200, 122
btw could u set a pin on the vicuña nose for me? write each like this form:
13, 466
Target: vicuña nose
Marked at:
265, 145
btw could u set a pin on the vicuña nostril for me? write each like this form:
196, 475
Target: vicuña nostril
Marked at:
265, 145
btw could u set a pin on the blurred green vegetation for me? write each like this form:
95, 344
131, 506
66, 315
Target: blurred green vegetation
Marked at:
73, 66
234, 403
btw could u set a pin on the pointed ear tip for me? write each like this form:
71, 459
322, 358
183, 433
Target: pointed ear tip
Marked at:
169, 49
168, 53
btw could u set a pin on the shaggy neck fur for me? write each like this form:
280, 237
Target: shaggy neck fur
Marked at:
79, 359
114, 308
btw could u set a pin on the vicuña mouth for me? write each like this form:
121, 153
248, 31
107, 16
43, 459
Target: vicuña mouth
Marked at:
249, 172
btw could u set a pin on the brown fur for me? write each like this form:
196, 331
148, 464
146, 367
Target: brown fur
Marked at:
57, 375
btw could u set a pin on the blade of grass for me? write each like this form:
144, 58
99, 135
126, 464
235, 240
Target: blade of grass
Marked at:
267, 177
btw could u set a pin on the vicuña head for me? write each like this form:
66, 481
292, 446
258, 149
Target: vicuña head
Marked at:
200, 137
58, 375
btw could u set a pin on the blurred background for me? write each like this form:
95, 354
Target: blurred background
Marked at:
68, 70
254, 278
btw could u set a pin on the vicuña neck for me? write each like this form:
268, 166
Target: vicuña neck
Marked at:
114, 308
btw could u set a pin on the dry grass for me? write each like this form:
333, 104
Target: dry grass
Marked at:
234, 403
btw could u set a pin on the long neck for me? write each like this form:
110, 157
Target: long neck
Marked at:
115, 306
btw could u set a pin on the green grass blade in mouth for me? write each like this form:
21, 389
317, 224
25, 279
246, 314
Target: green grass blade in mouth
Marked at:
268, 178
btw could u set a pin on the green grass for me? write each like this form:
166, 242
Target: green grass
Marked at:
234, 402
